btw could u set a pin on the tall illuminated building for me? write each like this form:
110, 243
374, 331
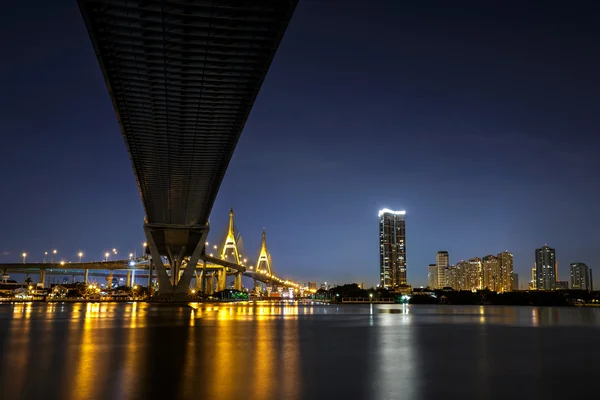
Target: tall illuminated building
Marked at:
580, 276
452, 277
473, 274
506, 269
392, 248
491, 273
432, 276
545, 268
442, 262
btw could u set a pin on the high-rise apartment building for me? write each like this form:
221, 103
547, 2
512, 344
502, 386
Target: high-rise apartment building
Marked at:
432, 276
515, 281
442, 262
545, 268
392, 248
506, 268
491, 273
473, 274
580, 276
451, 277
460, 274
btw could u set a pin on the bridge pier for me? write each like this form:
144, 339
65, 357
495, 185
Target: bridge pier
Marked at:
43, 277
175, 241
203, 279
128, 281
222, 280
237, 283
86, 276
210, 289
150, 277
199, 279
109, 280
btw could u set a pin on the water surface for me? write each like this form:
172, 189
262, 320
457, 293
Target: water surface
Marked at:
269, 351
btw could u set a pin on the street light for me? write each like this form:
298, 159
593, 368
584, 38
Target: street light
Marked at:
62, 263
130, 255
45, 254
53, 254
144, 245
24, 257
80, 255
106, 256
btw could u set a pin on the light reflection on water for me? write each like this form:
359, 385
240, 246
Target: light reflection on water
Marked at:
291, 351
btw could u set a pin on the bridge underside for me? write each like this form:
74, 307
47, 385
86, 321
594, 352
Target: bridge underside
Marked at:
183, 77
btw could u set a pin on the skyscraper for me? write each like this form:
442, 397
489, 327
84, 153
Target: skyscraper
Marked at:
580, 276
506, 266
432, 276
545, 268
392, 248
491, 273
451, 277
442, 263
473, 274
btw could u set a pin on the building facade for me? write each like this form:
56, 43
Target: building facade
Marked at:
545, 268
392, 249
451, 280
491, 273
580, 276
506, 269
432, 276
515, 281
442, 261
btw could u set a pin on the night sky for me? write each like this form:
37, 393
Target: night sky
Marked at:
481, 119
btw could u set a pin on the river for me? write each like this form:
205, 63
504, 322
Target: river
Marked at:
269, 351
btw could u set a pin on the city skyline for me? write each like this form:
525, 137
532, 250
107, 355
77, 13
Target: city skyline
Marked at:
309, 127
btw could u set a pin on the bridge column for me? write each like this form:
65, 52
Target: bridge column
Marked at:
237, 283
128, 281
211, 284
86, 276
199, 279
150, 277
177, 242
43, 277
222, 280
203, 280
109, 280
269, 289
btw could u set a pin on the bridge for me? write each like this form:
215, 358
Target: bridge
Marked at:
183, 78
210, 272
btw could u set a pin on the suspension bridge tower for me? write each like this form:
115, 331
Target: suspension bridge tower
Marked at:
230, 253
264, 258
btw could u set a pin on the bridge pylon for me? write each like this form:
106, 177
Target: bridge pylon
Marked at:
263, 264
229, 250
